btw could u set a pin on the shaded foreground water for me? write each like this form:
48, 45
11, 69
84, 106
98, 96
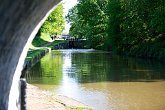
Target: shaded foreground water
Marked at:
101, 80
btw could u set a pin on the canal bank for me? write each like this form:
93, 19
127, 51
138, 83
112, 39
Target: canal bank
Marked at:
36, 53
38, 99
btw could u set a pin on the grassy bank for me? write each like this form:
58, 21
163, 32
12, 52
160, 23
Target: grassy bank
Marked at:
35, 53
39, 41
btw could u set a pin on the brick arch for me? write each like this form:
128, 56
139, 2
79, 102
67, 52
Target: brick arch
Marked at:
19, 22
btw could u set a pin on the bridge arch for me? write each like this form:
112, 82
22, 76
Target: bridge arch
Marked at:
19, 22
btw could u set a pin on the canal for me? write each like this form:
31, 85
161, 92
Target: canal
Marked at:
102, 80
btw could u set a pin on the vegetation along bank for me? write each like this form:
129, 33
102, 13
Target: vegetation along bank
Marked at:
43, 42
129, 27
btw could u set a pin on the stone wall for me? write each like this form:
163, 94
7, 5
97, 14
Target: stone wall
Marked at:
19, 22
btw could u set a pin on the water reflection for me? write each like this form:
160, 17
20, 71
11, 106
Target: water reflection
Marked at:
102, 80
47, 71
96, 66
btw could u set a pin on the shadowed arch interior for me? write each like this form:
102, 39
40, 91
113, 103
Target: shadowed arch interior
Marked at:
19, 22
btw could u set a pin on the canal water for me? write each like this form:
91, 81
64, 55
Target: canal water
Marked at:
102, 80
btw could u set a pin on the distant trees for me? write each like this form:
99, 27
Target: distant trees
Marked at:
88, 20
55, 23
132, 27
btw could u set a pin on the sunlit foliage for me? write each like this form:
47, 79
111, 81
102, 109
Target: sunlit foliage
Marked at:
55, 22
131, 27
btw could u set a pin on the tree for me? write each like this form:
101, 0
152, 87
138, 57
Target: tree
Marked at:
114, 22
55, 22
88, 20
131, 27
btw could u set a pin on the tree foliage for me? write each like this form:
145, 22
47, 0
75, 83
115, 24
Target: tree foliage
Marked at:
132, 27
89, 23
55, 23
138, 26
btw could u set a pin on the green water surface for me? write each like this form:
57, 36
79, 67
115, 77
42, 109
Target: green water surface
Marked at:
102, 80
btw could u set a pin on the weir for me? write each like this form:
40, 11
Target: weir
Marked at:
19, 23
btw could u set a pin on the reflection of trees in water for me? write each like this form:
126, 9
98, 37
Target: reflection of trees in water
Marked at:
93, 67
47, 71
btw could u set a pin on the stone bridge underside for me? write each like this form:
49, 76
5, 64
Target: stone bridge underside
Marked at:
19, 22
